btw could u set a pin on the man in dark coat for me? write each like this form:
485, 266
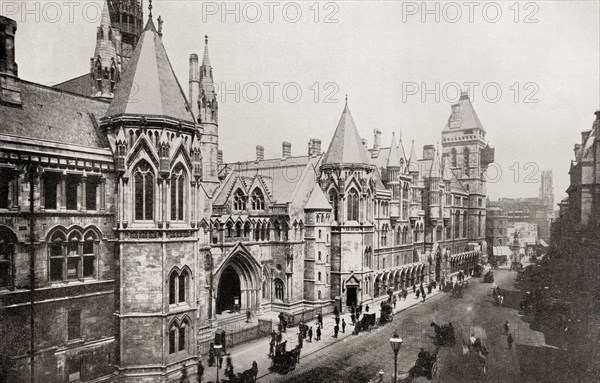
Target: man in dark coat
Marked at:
320, 320
310, 333
336, 330
200, 371
343, 326
353, 318
337, 320
318, 337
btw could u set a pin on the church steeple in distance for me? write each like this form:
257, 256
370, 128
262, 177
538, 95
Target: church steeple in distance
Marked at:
104, 66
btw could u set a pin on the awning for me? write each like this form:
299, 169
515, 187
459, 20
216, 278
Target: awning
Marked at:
499, 251
543, 243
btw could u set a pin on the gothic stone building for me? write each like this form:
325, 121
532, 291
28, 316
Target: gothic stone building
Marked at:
124, 240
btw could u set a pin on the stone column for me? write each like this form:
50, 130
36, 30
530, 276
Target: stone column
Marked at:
84, 192
63, 191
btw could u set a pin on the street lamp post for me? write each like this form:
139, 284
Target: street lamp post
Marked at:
395, 342
218, 349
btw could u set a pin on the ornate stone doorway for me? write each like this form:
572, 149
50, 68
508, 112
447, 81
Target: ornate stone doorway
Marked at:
229, 291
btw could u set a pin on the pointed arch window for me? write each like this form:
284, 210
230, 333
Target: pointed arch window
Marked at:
258, 200
279, 289
333, 201
144, 192
466, 161
453, 158
353, 203
172, 338
239, 200
178, 193
179, 287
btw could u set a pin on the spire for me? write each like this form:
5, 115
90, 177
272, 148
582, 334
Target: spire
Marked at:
149, 86
394, 157
105, 19
149, 9
346, 146
412, 161
104, 66
205, 59
401, 152
434, 171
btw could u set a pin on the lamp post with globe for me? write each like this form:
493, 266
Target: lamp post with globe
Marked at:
218, 349
395, 342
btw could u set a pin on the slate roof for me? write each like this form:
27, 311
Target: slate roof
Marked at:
80, 85
280, 177
317, 200
465, 116
53, 115
148, 85
346, 146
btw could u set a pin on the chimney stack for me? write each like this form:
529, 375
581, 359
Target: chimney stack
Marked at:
286, 150
428, 152
260, 153
376, 139
314, 147
10, 88
194, 84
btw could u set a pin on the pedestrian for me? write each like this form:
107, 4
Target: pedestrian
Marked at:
300, 340
200, 371
352, 309
414, 289
509, 340
320, 320
337, 320
279, 336
310, 332
394, 301
506, 328
271, 348
424, 296
248, 315
336, 330
298, 349
343, 326
318, 334
336, 312
418, 293
353, 319
211, 355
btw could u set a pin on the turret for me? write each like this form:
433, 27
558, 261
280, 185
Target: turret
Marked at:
104, 68
208, 118
194, 83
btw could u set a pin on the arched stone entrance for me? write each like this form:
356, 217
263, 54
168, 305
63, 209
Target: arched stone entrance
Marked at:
238, 282
229, 291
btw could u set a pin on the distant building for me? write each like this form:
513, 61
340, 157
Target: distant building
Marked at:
527, 210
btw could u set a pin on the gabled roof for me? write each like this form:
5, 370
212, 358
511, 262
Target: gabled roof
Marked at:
346, 146
148, 85
317, 200
463, 115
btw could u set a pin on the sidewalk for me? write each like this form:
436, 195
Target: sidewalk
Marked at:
243, 355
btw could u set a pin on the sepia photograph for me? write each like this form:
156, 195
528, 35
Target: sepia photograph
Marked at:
308, 191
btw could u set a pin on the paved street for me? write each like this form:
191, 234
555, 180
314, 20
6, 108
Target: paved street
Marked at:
360, 358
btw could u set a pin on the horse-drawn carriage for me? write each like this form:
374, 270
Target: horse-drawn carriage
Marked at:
489, 277
284, 361
475, 354
426, 365
387, 313
444, 335
248, 376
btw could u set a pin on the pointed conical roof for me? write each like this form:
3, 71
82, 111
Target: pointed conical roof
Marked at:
205, 59
394, 157
346, 146
149, 86
105, 18
401, 151
412, 165
463, 115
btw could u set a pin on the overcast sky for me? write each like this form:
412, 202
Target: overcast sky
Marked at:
542, 56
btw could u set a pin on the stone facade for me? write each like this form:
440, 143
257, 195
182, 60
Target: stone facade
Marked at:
124, 239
